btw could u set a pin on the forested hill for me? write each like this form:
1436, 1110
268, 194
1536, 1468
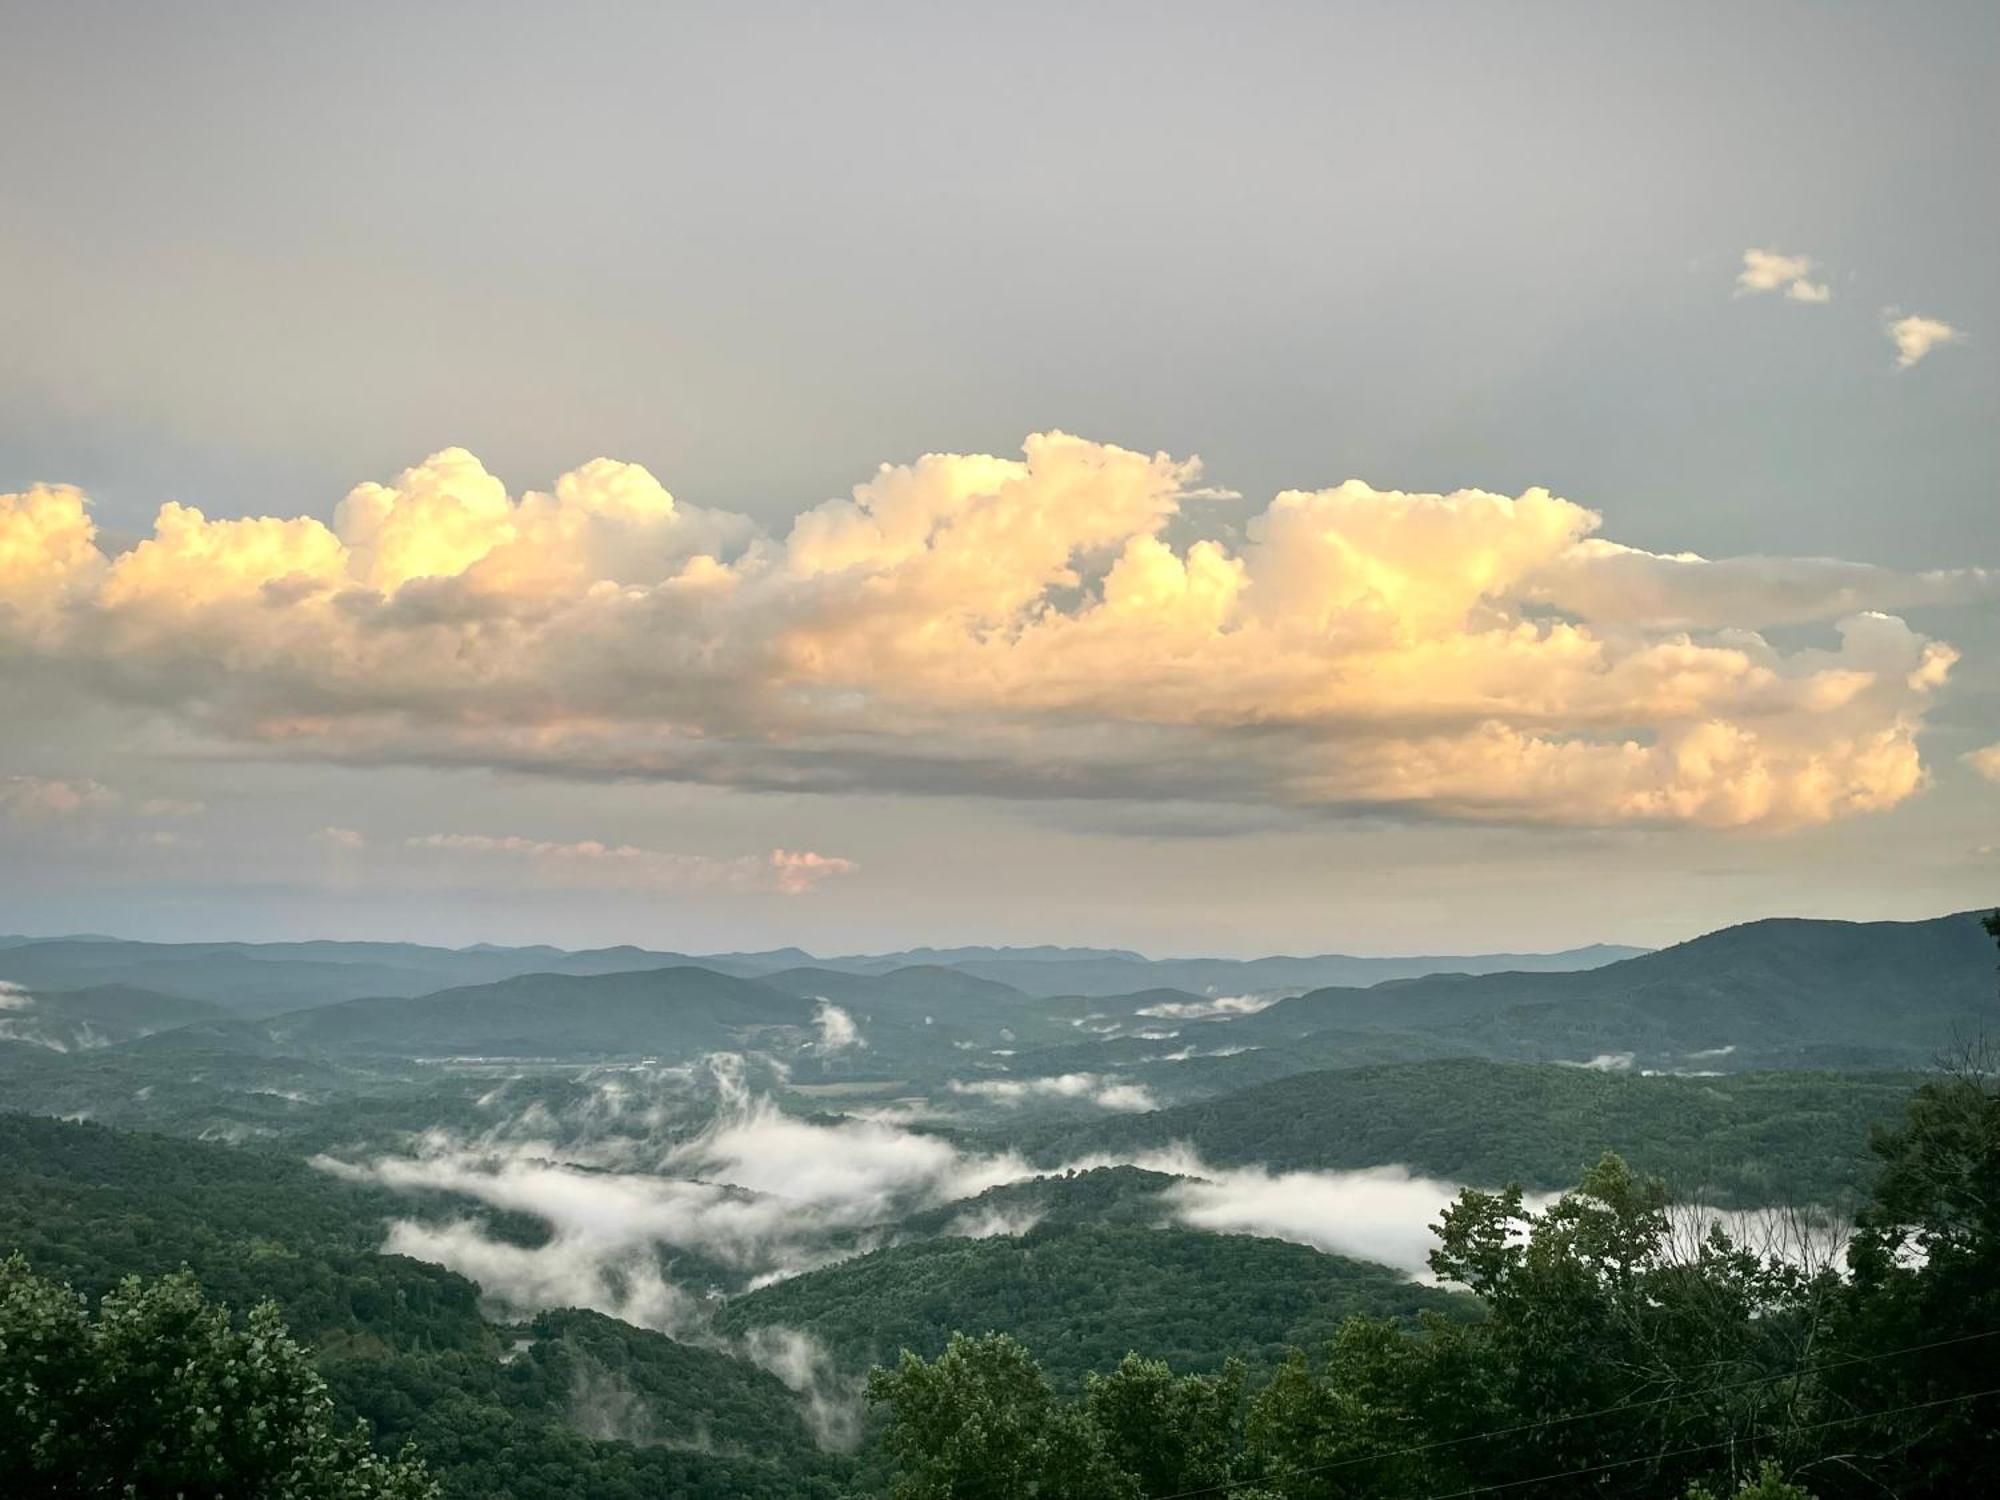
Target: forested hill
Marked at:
571, 1405
1114, 974
1747, 1138
1781, 992
1085, 1295
99, 1016
264, 979
677, 1010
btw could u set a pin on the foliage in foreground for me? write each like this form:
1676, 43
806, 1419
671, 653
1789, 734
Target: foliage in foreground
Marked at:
161, 1394
1625, 1352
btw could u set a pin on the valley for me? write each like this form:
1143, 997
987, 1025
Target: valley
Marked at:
646, 1218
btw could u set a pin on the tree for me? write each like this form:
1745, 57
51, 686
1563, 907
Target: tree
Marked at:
1598, 1306
161, 1394
1626, 1347
1769, 1484
1925, 1264
1170, 1433
980, 1423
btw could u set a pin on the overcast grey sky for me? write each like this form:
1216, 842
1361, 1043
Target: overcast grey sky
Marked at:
253, 256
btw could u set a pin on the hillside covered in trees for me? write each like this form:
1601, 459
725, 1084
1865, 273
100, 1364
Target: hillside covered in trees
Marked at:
1730, 1139
1086, 1244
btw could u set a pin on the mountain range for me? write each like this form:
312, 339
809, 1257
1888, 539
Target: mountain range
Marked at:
261, 979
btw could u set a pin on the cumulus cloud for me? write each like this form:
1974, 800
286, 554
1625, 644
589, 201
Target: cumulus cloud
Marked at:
1610, 584
1914, 337
786, 871
1775, 271
1095, 1088
1986, 761
1005, 626
332, 837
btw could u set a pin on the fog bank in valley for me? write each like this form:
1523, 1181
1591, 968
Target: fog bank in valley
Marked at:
661, 1191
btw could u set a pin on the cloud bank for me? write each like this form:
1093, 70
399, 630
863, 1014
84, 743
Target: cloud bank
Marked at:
1027, 627
754, 1190
1381, 1214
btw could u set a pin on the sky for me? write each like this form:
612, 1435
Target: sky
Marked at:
1356, 477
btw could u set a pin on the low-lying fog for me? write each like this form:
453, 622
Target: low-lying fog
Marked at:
666, 1186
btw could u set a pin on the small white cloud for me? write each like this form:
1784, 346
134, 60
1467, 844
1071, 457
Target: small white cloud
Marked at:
1774, 271
1985, 761
339, 838
1914, 336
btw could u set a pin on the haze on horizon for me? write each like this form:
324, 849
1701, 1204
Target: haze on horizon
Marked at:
1369, 480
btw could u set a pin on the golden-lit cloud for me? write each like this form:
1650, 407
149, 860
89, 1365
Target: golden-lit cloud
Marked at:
1775, 271
1914, 336
1053, 625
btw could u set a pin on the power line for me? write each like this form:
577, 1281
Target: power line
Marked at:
1547, 1423
1755, 1437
